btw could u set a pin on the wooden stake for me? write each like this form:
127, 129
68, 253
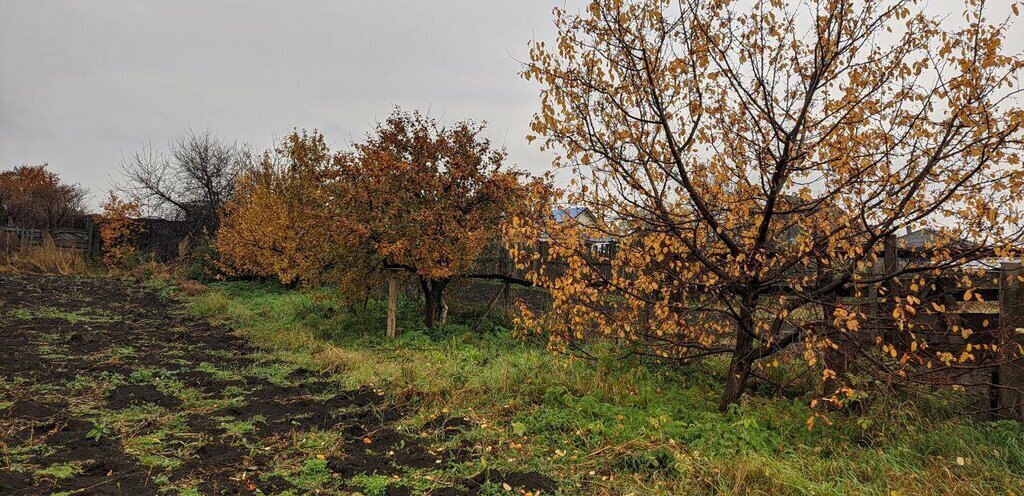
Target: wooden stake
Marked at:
392, 304
490, 306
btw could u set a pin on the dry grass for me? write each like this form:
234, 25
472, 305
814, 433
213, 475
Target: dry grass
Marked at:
192, 288
47, 258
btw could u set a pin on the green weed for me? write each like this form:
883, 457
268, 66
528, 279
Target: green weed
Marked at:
60, 470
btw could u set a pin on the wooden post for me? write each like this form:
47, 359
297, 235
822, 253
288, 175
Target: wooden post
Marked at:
1010, 376
90, 241
392, 303
506, 300
890, 264
886, 266
889, 260
490, 306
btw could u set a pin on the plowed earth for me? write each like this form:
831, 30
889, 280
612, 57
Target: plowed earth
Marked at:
108, 388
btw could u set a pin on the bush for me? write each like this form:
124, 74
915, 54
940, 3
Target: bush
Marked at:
197, 260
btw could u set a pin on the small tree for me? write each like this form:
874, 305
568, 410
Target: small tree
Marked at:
31, 196
427, 199
752, 160
285, 219
119, 229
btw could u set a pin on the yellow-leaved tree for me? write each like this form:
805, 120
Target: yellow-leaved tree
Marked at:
119, 229
285, 219
751, 160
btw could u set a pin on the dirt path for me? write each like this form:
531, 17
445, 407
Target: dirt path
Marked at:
106, 388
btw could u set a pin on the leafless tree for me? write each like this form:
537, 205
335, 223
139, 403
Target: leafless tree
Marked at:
192, 181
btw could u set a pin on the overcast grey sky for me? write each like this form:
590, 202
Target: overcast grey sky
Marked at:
84, 82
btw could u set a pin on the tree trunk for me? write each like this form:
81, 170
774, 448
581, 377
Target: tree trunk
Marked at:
442, 310
736, 384
740, 365
435, 310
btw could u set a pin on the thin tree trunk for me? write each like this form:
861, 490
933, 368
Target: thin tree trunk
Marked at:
736, 384
428, 302
740, 365
442, 309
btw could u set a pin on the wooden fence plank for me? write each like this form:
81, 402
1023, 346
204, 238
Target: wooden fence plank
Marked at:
1011, 317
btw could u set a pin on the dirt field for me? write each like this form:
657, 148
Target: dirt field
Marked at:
106, 388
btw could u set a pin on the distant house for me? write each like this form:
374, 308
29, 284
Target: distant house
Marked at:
586, 218
926, 238
916, 245
583, 215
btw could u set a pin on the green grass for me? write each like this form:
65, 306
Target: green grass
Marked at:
620, 427
84, 315
60, 471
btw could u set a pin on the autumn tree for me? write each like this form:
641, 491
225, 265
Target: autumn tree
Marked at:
119, 229
31, 196
427, 199
192, 181
751, 160
286, 219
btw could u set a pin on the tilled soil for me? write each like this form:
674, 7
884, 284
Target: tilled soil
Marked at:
108, 388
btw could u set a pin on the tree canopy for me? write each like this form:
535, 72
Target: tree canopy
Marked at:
32, 196
414, 196
752, 159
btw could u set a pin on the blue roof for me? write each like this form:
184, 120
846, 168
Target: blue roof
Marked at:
560, 213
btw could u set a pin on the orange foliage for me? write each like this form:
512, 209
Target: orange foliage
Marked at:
414, 196
750, 164
31, 196
119, 229
428, 199
284, 218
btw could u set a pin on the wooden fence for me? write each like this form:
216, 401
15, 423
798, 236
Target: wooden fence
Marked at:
159, 238
85, 240
996, 386
496, 262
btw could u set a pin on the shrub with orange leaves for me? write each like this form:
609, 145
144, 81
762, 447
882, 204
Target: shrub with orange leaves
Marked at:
119, 229
751, 164
285, 220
